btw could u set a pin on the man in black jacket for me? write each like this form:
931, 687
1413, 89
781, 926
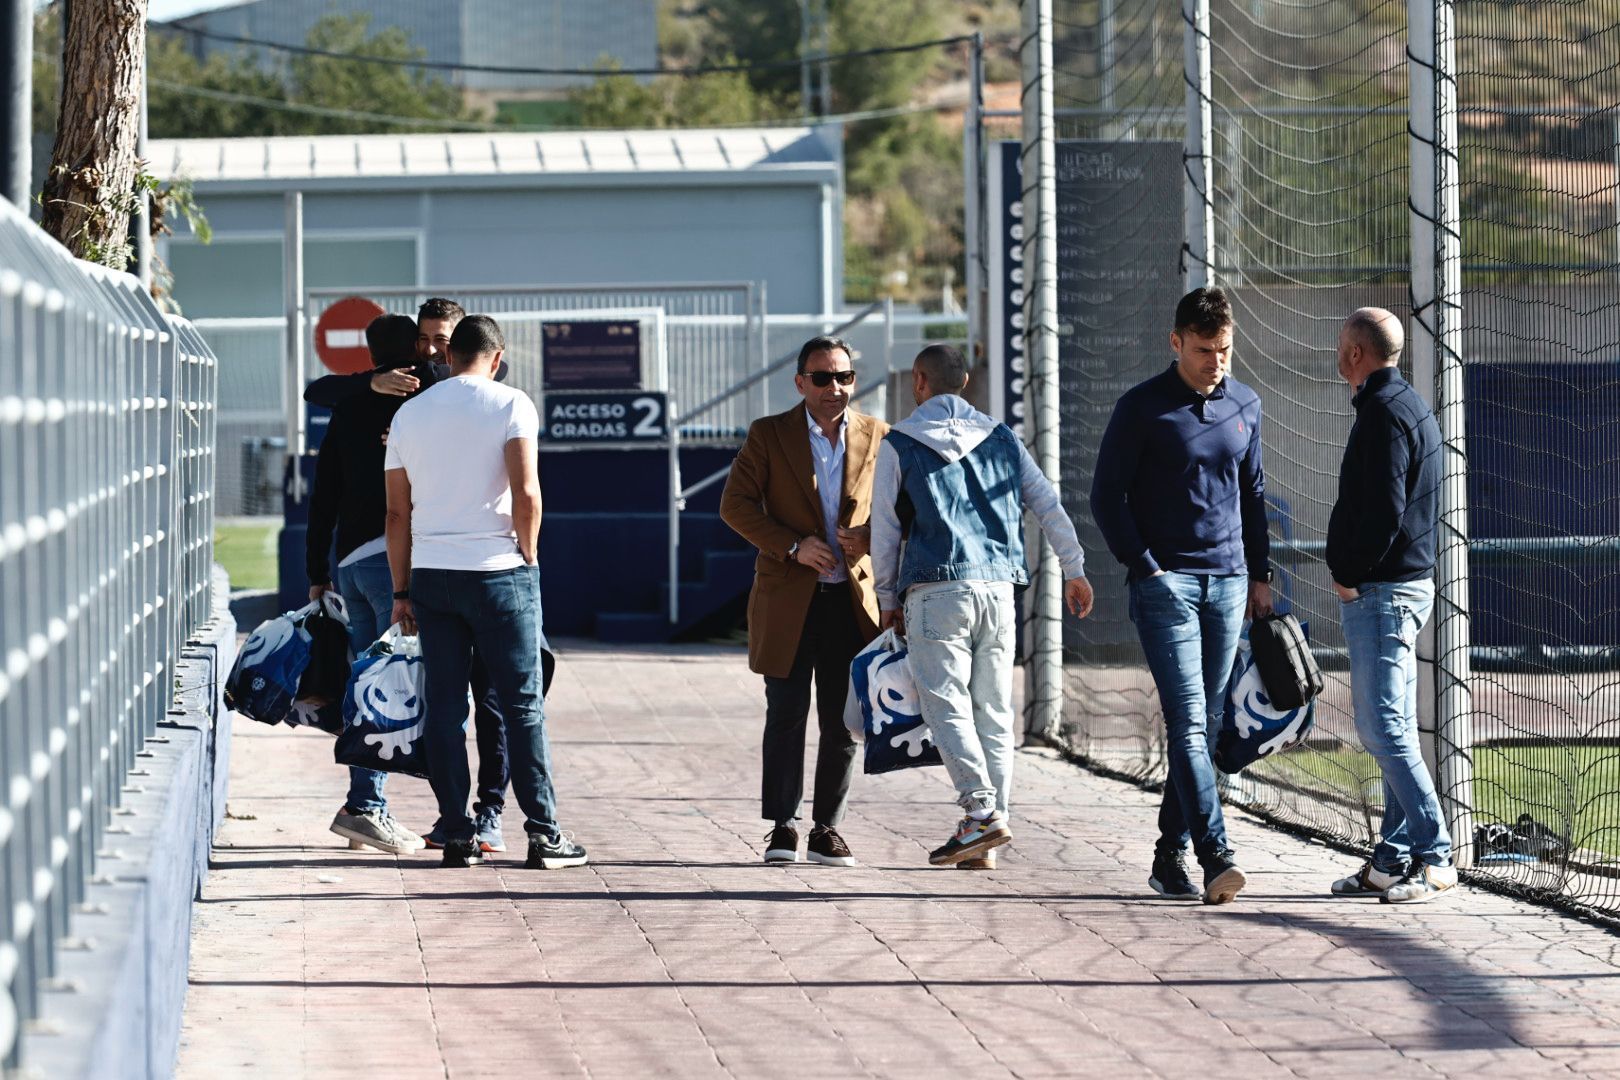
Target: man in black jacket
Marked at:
385, 389
1381, 550
349, 500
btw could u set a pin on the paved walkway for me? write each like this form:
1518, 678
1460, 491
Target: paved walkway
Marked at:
676, 953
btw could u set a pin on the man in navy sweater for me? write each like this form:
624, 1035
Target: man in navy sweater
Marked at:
1380, 549
1179, 494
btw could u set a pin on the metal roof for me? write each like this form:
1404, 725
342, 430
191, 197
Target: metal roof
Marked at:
489, 155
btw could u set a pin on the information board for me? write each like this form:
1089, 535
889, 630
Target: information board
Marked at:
591, 354
606, 417
1119, 279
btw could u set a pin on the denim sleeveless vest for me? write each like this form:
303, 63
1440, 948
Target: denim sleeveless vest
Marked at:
963, 519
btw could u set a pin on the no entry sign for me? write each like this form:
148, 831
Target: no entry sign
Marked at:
340, 334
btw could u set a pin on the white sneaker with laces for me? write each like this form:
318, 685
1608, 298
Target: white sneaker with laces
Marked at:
1368, 881
1422, 882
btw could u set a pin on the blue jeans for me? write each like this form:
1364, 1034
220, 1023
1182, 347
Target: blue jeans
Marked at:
367, 589
1189, 625
1381, 629
496, 612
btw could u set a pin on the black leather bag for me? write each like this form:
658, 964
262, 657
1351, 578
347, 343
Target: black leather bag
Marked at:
1282, 656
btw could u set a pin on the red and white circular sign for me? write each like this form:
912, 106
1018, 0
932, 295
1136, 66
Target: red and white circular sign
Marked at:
340, 334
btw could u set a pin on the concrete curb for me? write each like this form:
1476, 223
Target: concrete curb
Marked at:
114, 1007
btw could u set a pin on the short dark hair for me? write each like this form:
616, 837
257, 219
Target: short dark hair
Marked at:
475, 336
945, 366
392, 341
1206, 312
823, 343
437, 307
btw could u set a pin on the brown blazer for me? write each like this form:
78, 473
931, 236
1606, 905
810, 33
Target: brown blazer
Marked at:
771, 501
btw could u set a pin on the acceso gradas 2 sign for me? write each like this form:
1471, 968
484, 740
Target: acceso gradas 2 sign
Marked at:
606, 416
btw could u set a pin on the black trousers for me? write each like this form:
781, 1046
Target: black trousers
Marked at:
830, 641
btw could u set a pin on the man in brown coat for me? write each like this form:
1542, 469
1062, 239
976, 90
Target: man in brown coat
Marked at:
801, 492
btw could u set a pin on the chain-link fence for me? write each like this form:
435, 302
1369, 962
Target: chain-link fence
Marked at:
107, 437
1314, 214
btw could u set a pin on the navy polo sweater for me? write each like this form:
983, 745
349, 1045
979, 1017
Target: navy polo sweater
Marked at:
1383, 526
1179, 482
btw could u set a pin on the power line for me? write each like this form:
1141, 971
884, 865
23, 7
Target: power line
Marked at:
440, 65
476, 126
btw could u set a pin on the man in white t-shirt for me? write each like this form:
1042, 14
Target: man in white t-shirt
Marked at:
463, 524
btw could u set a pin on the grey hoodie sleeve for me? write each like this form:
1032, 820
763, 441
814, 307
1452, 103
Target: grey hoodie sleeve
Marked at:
1041, 499
885, 523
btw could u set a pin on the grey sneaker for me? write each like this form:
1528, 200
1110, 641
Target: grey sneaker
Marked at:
403, 834
370, 830
1422, 882
487, 831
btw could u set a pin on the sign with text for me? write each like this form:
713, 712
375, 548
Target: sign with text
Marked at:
1119, 239
591, 354
606, 416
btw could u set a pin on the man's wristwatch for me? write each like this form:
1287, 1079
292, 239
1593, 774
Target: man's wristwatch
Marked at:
1266, 578
792, 551
402, 594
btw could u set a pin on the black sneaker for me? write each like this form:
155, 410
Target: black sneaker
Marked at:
554, 852
1170, 878
460, 853
782, 845
1222, 879
826, 847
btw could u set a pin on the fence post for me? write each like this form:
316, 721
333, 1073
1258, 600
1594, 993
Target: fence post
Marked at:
973, 202
1198, 258
292, 288
1041, 330
1444, 702
16, 114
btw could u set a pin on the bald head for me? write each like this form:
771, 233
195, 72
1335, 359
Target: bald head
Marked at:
1378, 331
1370, 339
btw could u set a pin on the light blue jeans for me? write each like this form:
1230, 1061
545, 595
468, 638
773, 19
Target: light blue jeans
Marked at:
959, 637
1381, 629
1189, 626
367, 588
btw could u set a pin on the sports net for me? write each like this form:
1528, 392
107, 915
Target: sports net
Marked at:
1310, 155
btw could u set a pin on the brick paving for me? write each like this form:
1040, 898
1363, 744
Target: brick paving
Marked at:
677, 953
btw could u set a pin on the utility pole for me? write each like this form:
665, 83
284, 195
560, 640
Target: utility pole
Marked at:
814, 41
16, 120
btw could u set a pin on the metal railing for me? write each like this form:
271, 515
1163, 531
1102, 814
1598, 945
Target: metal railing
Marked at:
107, 430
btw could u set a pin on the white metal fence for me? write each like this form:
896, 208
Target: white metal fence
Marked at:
107, 469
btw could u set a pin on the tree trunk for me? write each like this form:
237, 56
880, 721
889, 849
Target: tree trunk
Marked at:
90, 189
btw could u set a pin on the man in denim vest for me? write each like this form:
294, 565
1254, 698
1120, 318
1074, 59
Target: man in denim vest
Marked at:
1179, 494
955, 484
1381, 551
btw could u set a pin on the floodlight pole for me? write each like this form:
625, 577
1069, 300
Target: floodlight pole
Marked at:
1198, 208
1039, 196
1445, 702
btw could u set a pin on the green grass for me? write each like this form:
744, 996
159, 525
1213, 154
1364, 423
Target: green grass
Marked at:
537, 113
248, 554
1563, 786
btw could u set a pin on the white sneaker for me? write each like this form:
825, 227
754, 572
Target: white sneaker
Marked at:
1368, 881
1422, 882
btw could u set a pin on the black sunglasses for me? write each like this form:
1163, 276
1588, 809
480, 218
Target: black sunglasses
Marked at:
825, 378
